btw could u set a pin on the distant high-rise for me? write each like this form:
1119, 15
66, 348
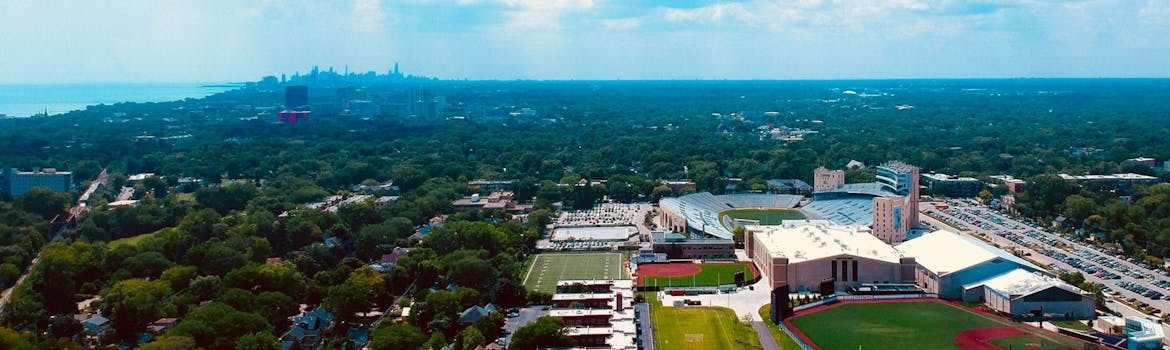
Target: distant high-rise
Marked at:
296, 96
423, 104
15, 183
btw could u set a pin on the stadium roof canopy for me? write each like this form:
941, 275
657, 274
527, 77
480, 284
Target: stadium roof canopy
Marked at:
869, 189
944, 252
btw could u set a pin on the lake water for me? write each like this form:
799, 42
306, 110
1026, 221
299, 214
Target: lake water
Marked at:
23, 100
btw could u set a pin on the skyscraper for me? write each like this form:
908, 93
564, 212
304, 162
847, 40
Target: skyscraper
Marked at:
296, 96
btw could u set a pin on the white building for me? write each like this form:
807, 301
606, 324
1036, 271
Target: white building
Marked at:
803, 253
1021, 293
948, 261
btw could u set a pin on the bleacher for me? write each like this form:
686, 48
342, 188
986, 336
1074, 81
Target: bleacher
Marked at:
701, 210
854, 210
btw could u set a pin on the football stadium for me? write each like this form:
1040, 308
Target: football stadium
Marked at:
888, 206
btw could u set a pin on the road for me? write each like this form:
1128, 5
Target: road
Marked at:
1059, 252
75, 212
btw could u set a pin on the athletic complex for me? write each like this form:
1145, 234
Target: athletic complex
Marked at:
852, 248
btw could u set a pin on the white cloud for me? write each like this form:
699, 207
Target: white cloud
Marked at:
621, 24
1156, 12
368, 15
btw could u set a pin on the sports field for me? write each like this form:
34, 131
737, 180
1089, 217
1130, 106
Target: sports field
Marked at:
700, 275
916, 325
696, 328
548, 268
764, 216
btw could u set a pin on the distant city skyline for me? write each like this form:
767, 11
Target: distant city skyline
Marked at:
223, 40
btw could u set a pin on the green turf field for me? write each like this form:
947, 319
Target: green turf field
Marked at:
711, 275
699, 328
925, 325
548, 268
764, 216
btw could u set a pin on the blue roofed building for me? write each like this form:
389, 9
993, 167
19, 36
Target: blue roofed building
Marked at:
306, 329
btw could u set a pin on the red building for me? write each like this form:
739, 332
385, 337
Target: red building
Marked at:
292, 116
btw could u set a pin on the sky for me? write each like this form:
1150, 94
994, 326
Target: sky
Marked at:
228, 40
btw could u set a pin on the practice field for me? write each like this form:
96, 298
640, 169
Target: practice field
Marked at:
548, 268
696, 275
916, 325
764, 216
699, 328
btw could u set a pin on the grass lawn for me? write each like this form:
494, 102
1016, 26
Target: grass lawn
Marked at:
782, 338
130, 241
925, 325
764, 216
711, 275
699, 328
1078, 325
1023, 342
546, 269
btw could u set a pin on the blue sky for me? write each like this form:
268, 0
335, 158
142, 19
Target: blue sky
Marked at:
228, 40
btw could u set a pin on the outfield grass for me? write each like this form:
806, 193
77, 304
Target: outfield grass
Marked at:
924, 325
764, 216
546, 269
699, 328
710, 275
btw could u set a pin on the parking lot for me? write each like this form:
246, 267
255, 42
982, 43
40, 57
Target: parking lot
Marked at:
1122, 278
520, 318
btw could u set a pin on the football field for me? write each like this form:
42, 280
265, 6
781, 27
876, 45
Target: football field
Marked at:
548, 268
764, 216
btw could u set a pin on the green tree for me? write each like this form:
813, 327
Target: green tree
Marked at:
169, 342
11, 340
219, 326
471, 338
345, 300
738, 236
134, 303
397, 336
43, 202
258, 341
545, 332
179, 276
437, 341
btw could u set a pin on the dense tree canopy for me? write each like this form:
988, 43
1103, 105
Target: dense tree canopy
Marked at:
225, 220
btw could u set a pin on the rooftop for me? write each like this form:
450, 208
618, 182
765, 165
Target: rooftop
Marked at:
804, 240
947, 177
1143, 329
1126, 176
899, 166
1020, 282
580, 312
583, 296
944, 252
